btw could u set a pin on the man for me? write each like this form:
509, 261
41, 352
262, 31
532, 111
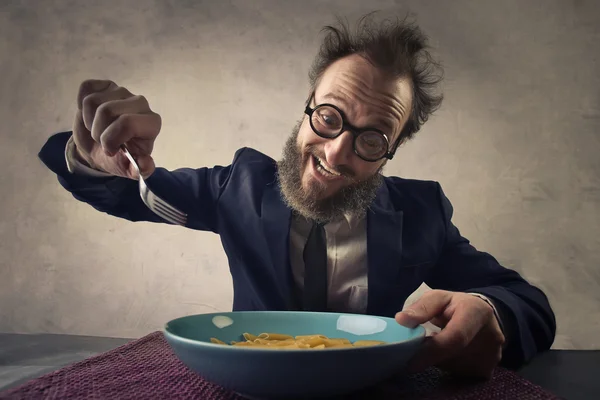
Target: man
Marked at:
322, 229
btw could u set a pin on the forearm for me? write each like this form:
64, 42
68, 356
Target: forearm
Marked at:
194, 191
527, 318
113, 195
524, 312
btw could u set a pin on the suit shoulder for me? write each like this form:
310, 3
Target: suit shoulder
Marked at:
250, 162
248, 155
412, 186
403, 190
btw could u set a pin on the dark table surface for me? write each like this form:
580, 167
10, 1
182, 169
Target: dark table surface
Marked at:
571, 374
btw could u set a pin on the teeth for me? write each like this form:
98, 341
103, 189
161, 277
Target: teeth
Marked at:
321, 166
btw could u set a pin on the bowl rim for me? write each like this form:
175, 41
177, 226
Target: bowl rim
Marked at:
420, 333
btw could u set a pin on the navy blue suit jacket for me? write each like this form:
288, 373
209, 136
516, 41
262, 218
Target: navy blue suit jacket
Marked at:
410, 240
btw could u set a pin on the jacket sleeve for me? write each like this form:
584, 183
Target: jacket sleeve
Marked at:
194, 191
525, 313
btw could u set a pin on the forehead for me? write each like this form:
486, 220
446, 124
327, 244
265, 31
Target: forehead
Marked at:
366, 94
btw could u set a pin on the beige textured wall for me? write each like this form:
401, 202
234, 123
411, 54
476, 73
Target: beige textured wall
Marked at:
515, 145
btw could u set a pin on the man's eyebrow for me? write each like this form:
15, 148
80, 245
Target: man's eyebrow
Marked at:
389, 128
336, 97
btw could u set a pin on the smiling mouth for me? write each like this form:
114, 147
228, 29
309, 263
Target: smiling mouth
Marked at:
321, 168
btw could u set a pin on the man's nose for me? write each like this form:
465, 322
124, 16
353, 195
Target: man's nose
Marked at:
339, 150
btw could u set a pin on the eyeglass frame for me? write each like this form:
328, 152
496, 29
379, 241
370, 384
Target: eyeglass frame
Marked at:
346, 126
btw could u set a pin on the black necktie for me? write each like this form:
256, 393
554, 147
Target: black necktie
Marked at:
315, 270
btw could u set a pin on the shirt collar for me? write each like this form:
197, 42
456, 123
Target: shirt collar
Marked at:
351, 219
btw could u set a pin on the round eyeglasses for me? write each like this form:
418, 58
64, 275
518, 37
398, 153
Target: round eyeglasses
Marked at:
328, 121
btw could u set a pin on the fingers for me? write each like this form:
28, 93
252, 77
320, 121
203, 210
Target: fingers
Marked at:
146, 165
126, 127
463, 326
109, 116
102, 100
91, 86
429, 306
112, 115
109, 111
81, 135
459, 331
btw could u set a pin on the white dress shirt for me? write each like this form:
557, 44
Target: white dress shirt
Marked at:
346, 261
347, 265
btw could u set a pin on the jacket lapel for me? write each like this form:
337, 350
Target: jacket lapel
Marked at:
384, 251
276, 220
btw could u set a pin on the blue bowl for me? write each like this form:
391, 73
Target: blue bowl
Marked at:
267, 373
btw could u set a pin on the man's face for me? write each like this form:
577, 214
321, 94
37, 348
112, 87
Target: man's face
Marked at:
329, 172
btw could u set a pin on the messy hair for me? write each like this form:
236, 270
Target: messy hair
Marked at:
399, 49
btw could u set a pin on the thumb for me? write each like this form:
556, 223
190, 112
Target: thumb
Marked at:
425, 309
146, 164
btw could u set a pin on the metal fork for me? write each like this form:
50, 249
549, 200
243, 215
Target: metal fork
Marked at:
157, 205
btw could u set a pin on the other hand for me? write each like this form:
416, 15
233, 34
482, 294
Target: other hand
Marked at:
470, 341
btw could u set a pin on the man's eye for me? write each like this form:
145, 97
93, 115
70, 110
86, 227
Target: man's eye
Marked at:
329, 120
371, 142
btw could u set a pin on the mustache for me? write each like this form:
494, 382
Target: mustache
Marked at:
343, 170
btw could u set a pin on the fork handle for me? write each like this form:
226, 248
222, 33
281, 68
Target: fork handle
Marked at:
131, 159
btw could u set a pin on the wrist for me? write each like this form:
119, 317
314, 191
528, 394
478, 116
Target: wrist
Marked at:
82, 158
85, 159
492, 305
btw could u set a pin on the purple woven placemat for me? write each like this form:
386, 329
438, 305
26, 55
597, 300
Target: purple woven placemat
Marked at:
147, 369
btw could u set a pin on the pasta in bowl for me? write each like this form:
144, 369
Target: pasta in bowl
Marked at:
278, 341
275, 354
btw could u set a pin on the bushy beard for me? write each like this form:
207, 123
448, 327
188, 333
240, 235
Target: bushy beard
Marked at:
353, 199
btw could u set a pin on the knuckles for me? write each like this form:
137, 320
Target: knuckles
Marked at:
103, 104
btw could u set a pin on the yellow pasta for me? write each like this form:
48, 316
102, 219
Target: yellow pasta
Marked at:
279, 341
217, 341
